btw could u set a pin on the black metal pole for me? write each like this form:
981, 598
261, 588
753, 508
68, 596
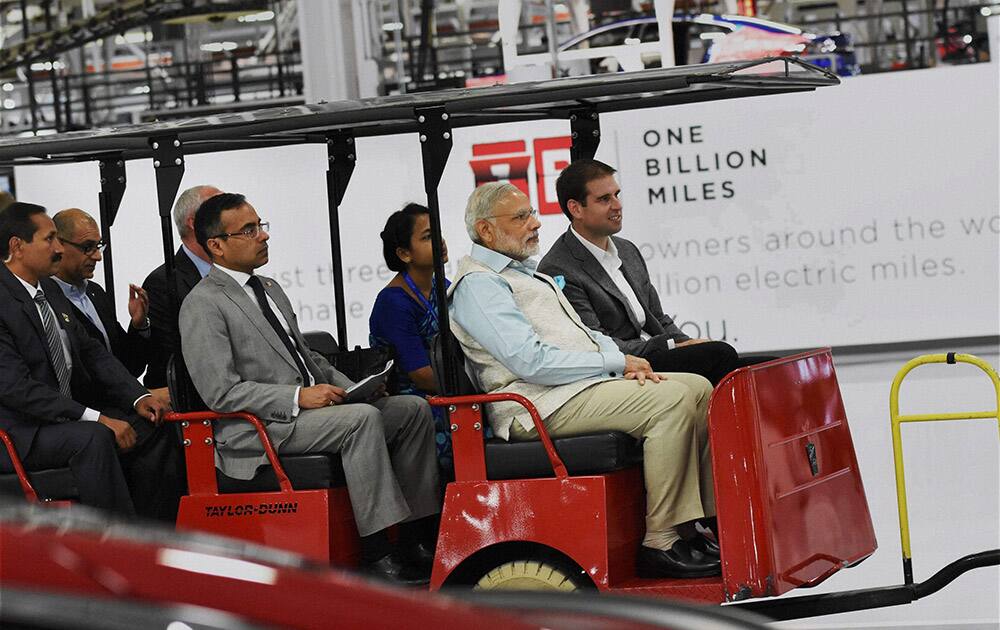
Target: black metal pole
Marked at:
68, 103
435, 146
109, 201
168, 164
147, 69
25, 34
585, 130
234, 73
907, 37
276, 9
52, 74
341, 157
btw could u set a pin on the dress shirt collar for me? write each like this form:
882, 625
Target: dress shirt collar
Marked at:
240, 277
498, 262
602, 255
32, 290
75, 291
199, 264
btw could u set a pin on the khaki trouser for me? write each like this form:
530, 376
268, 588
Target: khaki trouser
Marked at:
672, 418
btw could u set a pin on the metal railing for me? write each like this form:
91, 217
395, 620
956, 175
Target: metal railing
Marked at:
122, 96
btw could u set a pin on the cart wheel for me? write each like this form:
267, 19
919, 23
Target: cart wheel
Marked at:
532, 575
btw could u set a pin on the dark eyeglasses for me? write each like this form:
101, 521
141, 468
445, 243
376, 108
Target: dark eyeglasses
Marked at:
251, 232
87, 248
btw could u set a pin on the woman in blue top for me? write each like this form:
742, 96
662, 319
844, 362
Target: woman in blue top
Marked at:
405, 312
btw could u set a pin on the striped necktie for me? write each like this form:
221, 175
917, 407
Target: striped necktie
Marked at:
54, 343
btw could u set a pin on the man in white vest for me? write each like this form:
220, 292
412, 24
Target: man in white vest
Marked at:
520, 334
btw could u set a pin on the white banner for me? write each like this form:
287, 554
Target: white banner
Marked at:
860, 214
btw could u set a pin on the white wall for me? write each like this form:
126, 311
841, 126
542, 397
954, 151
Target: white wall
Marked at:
918, 145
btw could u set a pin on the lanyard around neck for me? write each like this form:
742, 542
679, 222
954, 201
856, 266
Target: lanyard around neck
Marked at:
420, 295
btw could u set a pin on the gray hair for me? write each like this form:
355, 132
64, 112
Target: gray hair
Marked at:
481, 203
188, 203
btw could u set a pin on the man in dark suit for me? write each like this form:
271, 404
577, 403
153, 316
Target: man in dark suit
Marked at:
607, 282
93, 307
50, 370
191, 264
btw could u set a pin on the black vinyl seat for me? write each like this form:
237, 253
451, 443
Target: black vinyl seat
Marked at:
590, 454
313, 471
53, 484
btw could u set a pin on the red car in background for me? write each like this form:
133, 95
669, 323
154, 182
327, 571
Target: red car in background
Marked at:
78, 568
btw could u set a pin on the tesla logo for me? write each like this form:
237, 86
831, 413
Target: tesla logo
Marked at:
512, 162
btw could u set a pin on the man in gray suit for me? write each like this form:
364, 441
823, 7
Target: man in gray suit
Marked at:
607, 282
245, 352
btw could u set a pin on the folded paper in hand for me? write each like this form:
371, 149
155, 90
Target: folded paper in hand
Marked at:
366, 387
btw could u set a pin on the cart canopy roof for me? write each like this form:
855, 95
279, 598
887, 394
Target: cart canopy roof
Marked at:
559, 98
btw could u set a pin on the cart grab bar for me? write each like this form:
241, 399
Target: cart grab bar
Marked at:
950, 358
22, 476
558, 467
208, 484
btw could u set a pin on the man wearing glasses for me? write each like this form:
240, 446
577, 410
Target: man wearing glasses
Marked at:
521, 335
66, 400
154, 466
82, 249
244, 351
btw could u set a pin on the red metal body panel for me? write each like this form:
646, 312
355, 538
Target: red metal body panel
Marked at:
103, 564
792, 508
594, 520
318, 524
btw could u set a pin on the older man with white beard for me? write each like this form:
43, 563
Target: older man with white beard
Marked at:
521, 335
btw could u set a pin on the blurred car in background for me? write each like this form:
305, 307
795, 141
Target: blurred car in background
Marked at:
79, 568
709, 38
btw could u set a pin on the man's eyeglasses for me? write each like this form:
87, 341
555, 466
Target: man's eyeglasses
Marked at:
87, 248
518, 217
251, 232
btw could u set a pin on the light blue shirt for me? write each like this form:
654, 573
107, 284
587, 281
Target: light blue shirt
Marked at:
484, 306
202, 266
78, 296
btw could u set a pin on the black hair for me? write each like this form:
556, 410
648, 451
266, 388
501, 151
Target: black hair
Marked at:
208, 216
572, 182
15, 220
398, 233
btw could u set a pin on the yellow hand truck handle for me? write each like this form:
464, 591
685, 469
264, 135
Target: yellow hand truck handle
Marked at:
897, 420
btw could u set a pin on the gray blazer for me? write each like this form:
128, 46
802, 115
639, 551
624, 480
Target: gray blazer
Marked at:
238, 363
598, 301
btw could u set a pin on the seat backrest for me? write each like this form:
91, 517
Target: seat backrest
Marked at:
183, 395
465, 384
355, 364
322, 342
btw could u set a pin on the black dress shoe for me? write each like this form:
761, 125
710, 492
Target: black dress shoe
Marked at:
419, 554
680, 561
389, 569
705, 545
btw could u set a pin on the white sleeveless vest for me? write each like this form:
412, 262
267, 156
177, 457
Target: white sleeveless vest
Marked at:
555, 322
